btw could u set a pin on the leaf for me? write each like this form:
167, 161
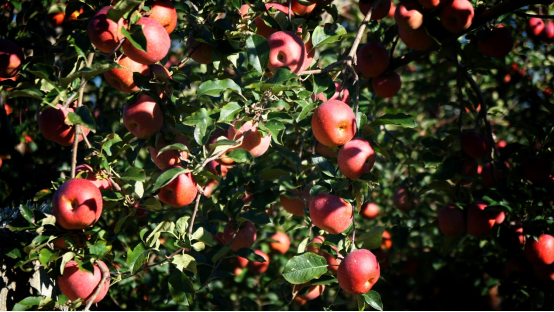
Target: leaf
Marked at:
27, 214
31, 92
203, 236
215, 87
273, 127
240, 156
185, 262
303, 244
27, 303
181, 288
136, 257
122, 7
229, 112
164, 226
327, 33
257, 49
220, 253
167, 176
87, 73
182, 224
374, 300
303, 268
399, 119
371, 239
68, 256
173, 147
100, 249
44, 256
249, 254
136, 37
324, 165
152, 204
258, 217
282, 74
134, 174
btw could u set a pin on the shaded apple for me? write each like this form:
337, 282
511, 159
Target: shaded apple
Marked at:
386, 243
245, 238
344, 98
451, 221
331, 261
369, 211
486, 172
431, 4
77, 204
51, 123
540, 251
104, 33
380, 12
283, 243
101, 182
253, 140
144, 117
331, 213
548, 32
497, 42
409, 14
259, 267
326, 151
300, 9
163, 11
172, 157
372, 59
358, 272
311, 293
293, 205
11, 58
476, 144
402, 199
457, 15
200, 52
262, 29
480, 222
417, 39
387, 85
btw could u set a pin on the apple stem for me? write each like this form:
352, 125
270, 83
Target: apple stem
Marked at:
105, 277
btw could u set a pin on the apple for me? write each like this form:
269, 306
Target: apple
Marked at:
431, 4
475, 144
313, 291
293, 205
469, 168
262, 29
372, 59
358, 272
457, 15
104, 33
387, 85
326, 151
417, 39
535, 27
75, 15
169, 158
76, 284
211, 184
500, 173
241, 262
518, 231
451, 221
380, 12
480, 222
333, 123
392, 10
402, 199
56, 19
283, 243
541, 251
200, 52
310, 55
254, 142
245, 238
51, 123
75, 240
497, 42
181, 191
356, 158
331, 213
369, 210
331, 261
516, 264
500, 217
286, 49
535, 169
157, 43
409, 14
143, 118
300, 9
77, 204
163, 11
544, 272
548, 32
88, 173
259, 267
11, 57
122, 78
344, 98
386, 243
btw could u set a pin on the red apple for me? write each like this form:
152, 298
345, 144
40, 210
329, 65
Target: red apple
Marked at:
163, 11
451, 221
254, 142
200, 52
535, 26
500, 217
103, 32
11, 57
392, 10
259, 267
76, 284
56, 19
387, 85
283, 243
386, 243
409, 14
286, 49
313, 292
333, 123
345, 95
157, 43
457, 15
500, 173
378, 13
241, 262
430, 4
480, 222
77, 204
77, 241
541, 251
475, 144
179, 192
331, 261
326, 151
88, 173
356, 158
548, 32
169, 158
402, 199
245, 237
310, 55
417, 39
122, 78
536, 169
373, 59
369, 210
300, 9
293, 205
143, 118
496, 43
51, 123
264, 30
331, 213
358, 272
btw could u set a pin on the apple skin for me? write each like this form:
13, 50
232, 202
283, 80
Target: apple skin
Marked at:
386, 243
300, 9
241, 262
259, 267
200, 52
122, 78
486, 174
331, 261
77, 204
326, 151
373, 59
535, 169
104, 33
143, 118
264, 30
356, 158
89, 174
333, 123
157, 43
345, 95
548, 33
496, 43
286, 49
409, 14
56, 19
76, 284
540, 252
380, 12
163, 11
293, 205
283, 244
245, 238
451, 221
457, 15
358, 272
431, 4
310, 55
392, 10
313, 292
416, 39
369, 211
51, 123
331, 213
11, 57
401, 199
253, 141
179, 192
168, 158
475, 144
544, 272
480, 222
535, 26
387, 85
79, 241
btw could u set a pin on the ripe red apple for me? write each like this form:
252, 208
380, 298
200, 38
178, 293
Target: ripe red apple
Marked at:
535, 26
475, 144
77, 204
331, 213
254, 142
11, 57
286, 49
497, 42
480, 222
548, 32
369, 210
500, 173
358, 272
387, 85
392, 10
283, 243
310, 55
417, 39
345, 95
241, 262
402, 199
331, 261
77, 241
378, 13
122, 78
163, 11
300, 9
536, 169
326, 151
76, 284
541, 251
313, 292
386, 243
157, 43
457, 15
356, 158
409, 14
333, 123
373, 59
200, 52
169, 158
430, 4
293, 205
51, 123
143, 118
518, 231
259, 267
451, 221
262, 29
88, 173
544, 272
56, 19
179, 192
245, 237
103, 32
500, 217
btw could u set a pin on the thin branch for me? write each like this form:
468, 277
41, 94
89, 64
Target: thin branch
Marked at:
194, 214
353, 234
522, 14
105, 277
325, 70
115, 49
290, 10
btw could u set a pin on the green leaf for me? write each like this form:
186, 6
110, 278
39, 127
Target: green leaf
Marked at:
181, 288
135, 37
100, 249
185, 262
240, 156
282, 74
31, 92
44, 256
134, 174
324, 165
259, 217
215, 87
249, 254
327, 33
229, 112
371, 239
167, 176
14, 253
305, 267
88, 73
68, 256
27, 214
27, 303
201, 134
173, 147
220, 253
152, 204
136, 257
399, 119
374, 300
204, 236
273, 127
361, 303
122, 7
257, 49
182, 224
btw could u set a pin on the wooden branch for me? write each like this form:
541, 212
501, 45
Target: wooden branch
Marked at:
105, 277
533, 15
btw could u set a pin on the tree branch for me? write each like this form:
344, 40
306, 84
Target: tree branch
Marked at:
105, 277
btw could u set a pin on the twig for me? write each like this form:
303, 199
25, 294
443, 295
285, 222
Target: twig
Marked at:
533, 15
394, 43
327, 69
105, 277
115, 49
290, 9
194, 214
353, 234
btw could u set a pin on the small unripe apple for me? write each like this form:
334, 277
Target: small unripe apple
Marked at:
259, 267
480, 222
356, 158
417, 39
496, 43
457, 15
11, 57
331, 261
535, 26
536, 169
283, 243
451, 221
475, 144
77, 204
179, 192
333, 123
402, 199
409, 14
286, 49
331, 213
245, 237
104, 33
369, 210
88, 173
254, 141
373, 59
157, 43
169, 158
143, 118
386, 243
387, 85
293, 205
76, 284
358, 272
541, 251
379, 12
163, 11
51, 123
122, 78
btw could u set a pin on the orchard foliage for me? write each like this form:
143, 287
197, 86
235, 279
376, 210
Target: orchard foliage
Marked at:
198, 151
